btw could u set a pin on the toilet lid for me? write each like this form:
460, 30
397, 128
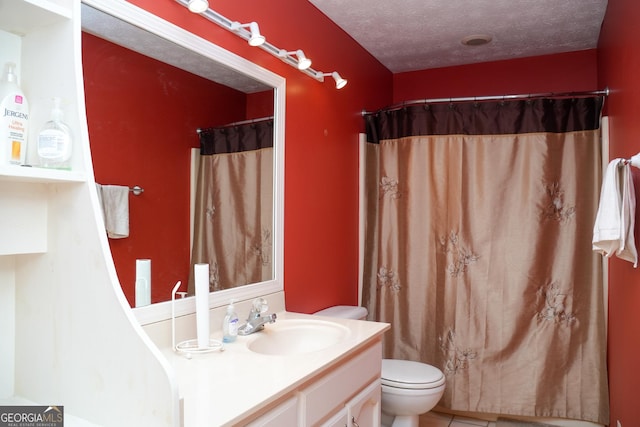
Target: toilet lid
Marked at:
409, 374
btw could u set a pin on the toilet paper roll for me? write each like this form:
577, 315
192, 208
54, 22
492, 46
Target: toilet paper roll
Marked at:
143, 282
201, 276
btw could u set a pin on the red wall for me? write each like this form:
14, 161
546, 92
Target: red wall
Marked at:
567, 72
618, 67
142, 117
321, 147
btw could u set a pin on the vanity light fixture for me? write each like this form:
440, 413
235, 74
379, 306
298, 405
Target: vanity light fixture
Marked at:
340, 82
256, 39
296, 58
303, 61
198, 6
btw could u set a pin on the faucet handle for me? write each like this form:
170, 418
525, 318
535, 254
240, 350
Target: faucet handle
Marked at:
260, 305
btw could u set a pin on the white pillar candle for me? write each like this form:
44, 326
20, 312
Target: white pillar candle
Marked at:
201, 275
143, 282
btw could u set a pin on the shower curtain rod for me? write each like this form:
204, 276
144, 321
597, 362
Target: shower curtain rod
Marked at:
602, 92
242, 122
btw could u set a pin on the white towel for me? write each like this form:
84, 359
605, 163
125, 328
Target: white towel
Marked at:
627, 250
613, 232
115, 209
606, 231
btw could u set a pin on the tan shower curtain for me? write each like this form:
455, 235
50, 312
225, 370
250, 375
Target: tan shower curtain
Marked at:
234, 205
478, 251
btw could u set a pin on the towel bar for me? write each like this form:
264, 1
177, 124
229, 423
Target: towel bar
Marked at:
136, 190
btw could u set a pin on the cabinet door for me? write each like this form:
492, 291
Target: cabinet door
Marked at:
285, 414
338, 420
332, 391
364, 409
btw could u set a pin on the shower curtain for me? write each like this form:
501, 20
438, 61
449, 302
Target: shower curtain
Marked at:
234, 205
478, 251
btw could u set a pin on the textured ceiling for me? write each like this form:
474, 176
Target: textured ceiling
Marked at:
408, 35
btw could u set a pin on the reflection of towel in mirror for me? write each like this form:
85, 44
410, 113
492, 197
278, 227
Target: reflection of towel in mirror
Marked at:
613, 231
115, 209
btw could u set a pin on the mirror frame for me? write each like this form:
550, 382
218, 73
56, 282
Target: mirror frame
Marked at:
147, 21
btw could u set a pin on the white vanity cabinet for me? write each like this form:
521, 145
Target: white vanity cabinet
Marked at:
347, 394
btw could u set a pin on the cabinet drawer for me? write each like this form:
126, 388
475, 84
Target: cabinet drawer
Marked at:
337, 387
285, 414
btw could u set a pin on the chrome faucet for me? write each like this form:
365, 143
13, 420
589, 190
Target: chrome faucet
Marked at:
256, 319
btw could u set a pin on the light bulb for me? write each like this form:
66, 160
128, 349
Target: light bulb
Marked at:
198, 6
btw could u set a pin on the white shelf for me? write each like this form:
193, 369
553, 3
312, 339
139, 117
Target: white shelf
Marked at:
37, 174
32, 30
22, 17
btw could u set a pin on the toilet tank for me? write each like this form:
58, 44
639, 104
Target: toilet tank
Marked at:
344, 312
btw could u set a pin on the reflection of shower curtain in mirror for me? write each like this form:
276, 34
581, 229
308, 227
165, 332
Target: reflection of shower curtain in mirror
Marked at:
479, 221
233, 217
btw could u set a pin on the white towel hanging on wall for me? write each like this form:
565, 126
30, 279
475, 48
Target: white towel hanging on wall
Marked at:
613, 231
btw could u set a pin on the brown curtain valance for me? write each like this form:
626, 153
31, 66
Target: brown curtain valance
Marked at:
486, 118
235, 139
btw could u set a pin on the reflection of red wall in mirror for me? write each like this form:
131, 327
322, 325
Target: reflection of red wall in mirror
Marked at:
142, 118
321, 136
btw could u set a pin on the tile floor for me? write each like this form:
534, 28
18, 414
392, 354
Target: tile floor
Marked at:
440, 419
435, 419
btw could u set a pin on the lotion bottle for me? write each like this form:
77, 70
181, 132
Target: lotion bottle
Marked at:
14, 118
230, 324
55, 140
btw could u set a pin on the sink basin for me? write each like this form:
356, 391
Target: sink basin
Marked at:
297, 336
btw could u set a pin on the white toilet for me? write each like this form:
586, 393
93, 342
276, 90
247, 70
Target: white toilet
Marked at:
409, 389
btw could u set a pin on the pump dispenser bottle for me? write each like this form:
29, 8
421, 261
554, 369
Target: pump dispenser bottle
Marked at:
55, 141
230, 324
14, 118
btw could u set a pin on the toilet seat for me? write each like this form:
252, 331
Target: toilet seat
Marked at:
406, 374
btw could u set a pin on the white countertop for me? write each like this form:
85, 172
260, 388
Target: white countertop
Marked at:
223, 387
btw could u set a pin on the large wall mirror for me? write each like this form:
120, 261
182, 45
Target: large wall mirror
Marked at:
151, 88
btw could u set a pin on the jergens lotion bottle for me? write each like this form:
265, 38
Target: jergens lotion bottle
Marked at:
14, 118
